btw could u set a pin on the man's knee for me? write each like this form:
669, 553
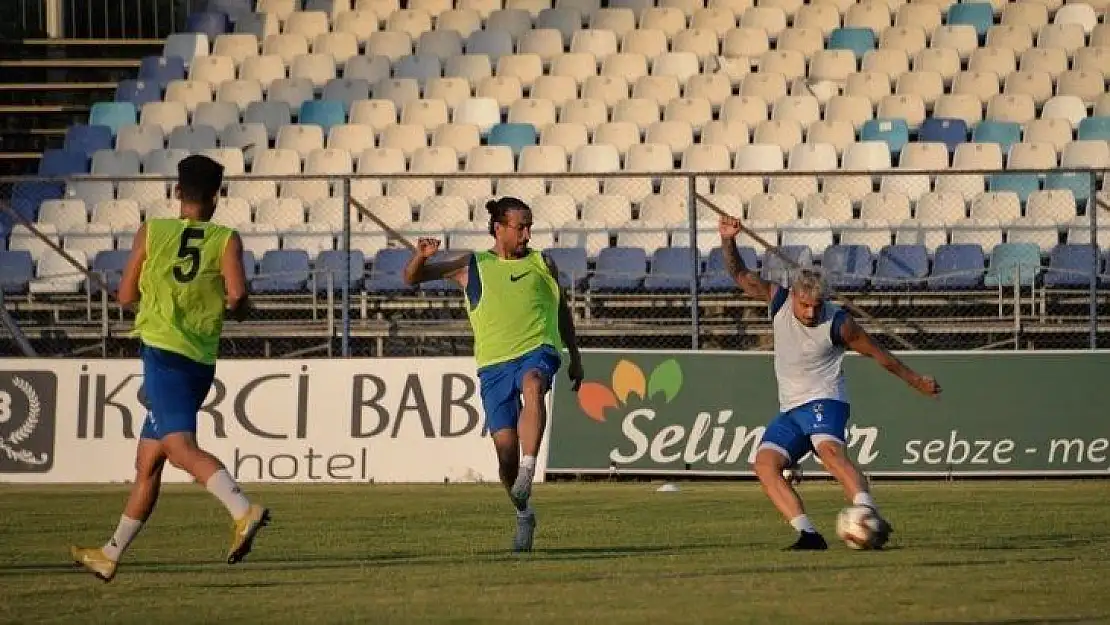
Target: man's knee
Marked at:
180, 450
533, 385
768, 462
831, 452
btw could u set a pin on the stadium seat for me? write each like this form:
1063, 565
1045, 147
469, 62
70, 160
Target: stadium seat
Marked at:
672, 269
138, 92
1013, 263
331, 262
114, 115
1004, 134
63, 163
386, 272
715, 278
17, 269
516, 136
856, 40
1094, 128
185, 46
775, 269
211, 23
1070, 266
160, 70
572, 264
323, 113
979, 15
619, 269
55, 275
894, 132
847, 267
109, 264
957, 267
282, 271
950, 132
901, 267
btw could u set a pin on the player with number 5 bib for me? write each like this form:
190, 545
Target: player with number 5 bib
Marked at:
185, 274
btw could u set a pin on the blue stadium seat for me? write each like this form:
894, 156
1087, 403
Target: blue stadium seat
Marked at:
331, 261
422, 68
516, 136
233, 9
895, 132
1071, 266
1003, 133
347, 91
320, 5
1013, 263
88, 139
857, 40
1096, 128
17, 268
1021, 184
957, 267
774, 269
572, 264
847, 267
161, 70
282, 271
111, 264
977, 14
250, 264
619, 269
672, 269
901, 267
323, 113
26, 198
138, 92
492, 43
715, 278
566, 20
950, 132
114, 115
386, 272
63, 163
1078, 184
211, 23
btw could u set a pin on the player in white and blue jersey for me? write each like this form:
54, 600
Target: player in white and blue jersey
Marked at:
811, 336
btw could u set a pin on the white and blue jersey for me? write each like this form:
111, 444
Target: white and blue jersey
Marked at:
813, 399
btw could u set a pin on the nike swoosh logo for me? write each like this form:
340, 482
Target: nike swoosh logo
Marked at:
515, 278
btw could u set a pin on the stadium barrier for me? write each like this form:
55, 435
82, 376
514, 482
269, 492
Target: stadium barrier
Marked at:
979, 259
683, 414
302, 421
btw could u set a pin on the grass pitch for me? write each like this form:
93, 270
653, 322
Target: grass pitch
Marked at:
968, 552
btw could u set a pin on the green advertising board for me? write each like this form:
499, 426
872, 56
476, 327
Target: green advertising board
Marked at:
1016, 413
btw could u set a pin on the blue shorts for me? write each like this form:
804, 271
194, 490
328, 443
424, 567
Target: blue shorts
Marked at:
796, 432
174, 388
502, 383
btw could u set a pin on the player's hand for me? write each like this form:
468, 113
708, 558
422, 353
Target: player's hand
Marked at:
426, 247
926, 385
575, 373
729, 227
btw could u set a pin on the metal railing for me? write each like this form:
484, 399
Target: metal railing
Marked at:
101, 19
651, 278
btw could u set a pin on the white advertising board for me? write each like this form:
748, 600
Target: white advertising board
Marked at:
304, 421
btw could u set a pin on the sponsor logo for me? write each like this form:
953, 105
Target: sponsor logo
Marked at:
27, 413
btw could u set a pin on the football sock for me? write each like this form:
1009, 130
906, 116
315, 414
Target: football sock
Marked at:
529, 463
526, 512
223, 486
864, 499
126, 531
802, 524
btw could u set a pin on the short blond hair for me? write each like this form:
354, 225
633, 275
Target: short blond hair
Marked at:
810, 282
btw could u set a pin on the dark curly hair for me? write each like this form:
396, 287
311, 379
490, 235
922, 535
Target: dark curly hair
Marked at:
499, 208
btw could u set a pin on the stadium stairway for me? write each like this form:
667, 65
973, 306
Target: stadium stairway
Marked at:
49, 85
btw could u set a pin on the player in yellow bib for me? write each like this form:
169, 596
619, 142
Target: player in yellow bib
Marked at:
521, 322
184, 274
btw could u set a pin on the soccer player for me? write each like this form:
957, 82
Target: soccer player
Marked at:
184, 274
521, 320
811, 335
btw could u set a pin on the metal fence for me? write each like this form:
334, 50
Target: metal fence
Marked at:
933, 260
99, 19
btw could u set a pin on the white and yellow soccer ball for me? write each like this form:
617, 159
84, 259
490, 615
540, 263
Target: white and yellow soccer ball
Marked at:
860, 528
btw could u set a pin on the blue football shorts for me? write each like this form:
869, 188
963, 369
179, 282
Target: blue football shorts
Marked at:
174, 387
797, 431
502, 383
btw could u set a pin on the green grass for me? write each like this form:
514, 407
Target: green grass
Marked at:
987, 552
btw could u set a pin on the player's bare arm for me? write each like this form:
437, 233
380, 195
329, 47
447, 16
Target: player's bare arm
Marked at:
235, 278
567, 332
749, 281
128, 294
860, 341
420, 270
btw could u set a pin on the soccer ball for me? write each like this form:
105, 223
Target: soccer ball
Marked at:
861, 528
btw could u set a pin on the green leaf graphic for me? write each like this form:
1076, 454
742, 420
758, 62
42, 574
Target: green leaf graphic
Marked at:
665, 378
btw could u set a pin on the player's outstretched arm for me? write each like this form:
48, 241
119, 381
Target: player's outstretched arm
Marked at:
567, 332
856, 338
128, 294
235, 278
420, 270
748, 280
